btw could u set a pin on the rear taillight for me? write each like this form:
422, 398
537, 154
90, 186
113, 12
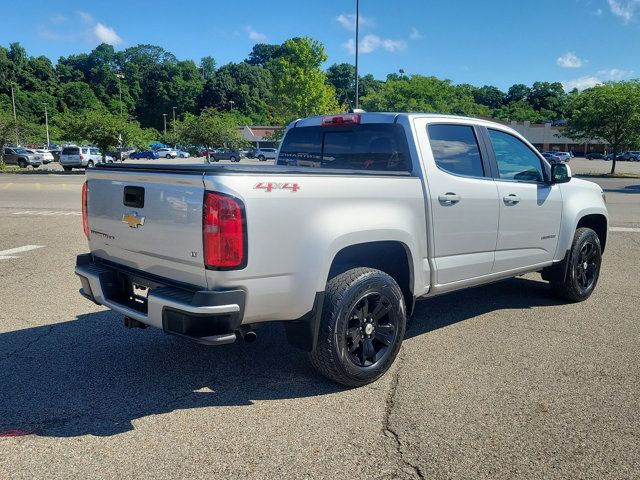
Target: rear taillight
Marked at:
342, 119
85, 220
223, 231
81, 157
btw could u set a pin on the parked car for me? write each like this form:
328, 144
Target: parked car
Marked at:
81, 157
609, 157
631, 156
121, 153
264, 154
47, 156
563, 156
339, 259
183, 154
150, 154
21, 157
225, 154
251, 153
594, 156
165, 152
552, 158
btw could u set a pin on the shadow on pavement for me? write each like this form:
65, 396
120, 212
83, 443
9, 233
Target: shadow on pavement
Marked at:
93, 376
627, 189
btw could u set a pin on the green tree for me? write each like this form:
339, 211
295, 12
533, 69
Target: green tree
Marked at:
208, 67
343, 79
262, 53
104, 130
610, 112
489, 96
517, 92
548, 96
211, 129
423, 94
299, 86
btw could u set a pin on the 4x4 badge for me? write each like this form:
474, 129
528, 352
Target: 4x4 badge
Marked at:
133, 219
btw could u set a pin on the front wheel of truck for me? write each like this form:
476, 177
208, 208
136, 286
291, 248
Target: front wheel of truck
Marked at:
362, 327
577, 278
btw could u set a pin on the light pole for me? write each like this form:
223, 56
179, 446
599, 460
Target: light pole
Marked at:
164, 115
120, 76
15, 118
174, 119
357, 38
46, 122
231, 104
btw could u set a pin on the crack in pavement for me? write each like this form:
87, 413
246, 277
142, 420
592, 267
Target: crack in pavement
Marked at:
388, 430
29, 344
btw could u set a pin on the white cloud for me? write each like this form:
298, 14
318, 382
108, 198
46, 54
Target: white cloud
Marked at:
569, 60
92, 33
624, 9
370, 43
600, 77
85, 17
348, 21
415, 34
57, 19
106, 34
254, 35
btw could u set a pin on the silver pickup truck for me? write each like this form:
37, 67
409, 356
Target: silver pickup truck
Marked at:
362, 215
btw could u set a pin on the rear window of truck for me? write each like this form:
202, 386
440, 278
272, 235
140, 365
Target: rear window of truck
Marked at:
379, 147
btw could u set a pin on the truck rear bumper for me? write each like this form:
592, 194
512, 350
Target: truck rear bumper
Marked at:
209, 317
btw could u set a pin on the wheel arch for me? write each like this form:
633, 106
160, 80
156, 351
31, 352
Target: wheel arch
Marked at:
598, 223
390, 256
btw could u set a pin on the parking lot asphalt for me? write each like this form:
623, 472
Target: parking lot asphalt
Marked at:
500, 381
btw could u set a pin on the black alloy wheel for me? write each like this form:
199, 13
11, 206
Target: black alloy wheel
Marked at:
370, 330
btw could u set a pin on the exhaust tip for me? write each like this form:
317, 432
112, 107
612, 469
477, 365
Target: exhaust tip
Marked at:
248, 336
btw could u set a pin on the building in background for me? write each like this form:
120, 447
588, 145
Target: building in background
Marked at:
546, 137
260, 136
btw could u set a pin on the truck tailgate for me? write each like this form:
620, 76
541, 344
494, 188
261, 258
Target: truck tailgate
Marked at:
149, 221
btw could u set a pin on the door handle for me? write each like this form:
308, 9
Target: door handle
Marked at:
511, 199
449, 198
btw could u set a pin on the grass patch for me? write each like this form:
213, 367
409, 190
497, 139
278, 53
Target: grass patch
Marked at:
607, 175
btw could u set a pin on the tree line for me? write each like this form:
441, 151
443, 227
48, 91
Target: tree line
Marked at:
137, 91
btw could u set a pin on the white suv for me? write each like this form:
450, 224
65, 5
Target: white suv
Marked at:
264, 154
165, 152
81, 157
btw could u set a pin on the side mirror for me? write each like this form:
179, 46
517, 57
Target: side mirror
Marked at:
560, 173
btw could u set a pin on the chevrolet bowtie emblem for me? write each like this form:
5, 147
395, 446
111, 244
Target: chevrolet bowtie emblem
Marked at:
133, 219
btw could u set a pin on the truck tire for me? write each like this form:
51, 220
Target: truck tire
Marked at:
67, 169
583, 268
22, 163
262, 158
362, 327
232, 158
90, 164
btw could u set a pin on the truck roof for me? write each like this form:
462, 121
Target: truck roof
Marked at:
391, 117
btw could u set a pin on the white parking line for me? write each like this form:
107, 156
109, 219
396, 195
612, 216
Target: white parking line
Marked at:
624, 229
4, 254
46, 213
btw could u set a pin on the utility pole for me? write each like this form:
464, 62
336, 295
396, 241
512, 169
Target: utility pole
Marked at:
174, 119
164, 115
357, 38
46, 122
120, 76
15, 118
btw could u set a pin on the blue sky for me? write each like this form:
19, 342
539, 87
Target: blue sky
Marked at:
495, 42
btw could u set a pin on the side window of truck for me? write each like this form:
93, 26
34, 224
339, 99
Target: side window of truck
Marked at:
455, 149
516, 161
